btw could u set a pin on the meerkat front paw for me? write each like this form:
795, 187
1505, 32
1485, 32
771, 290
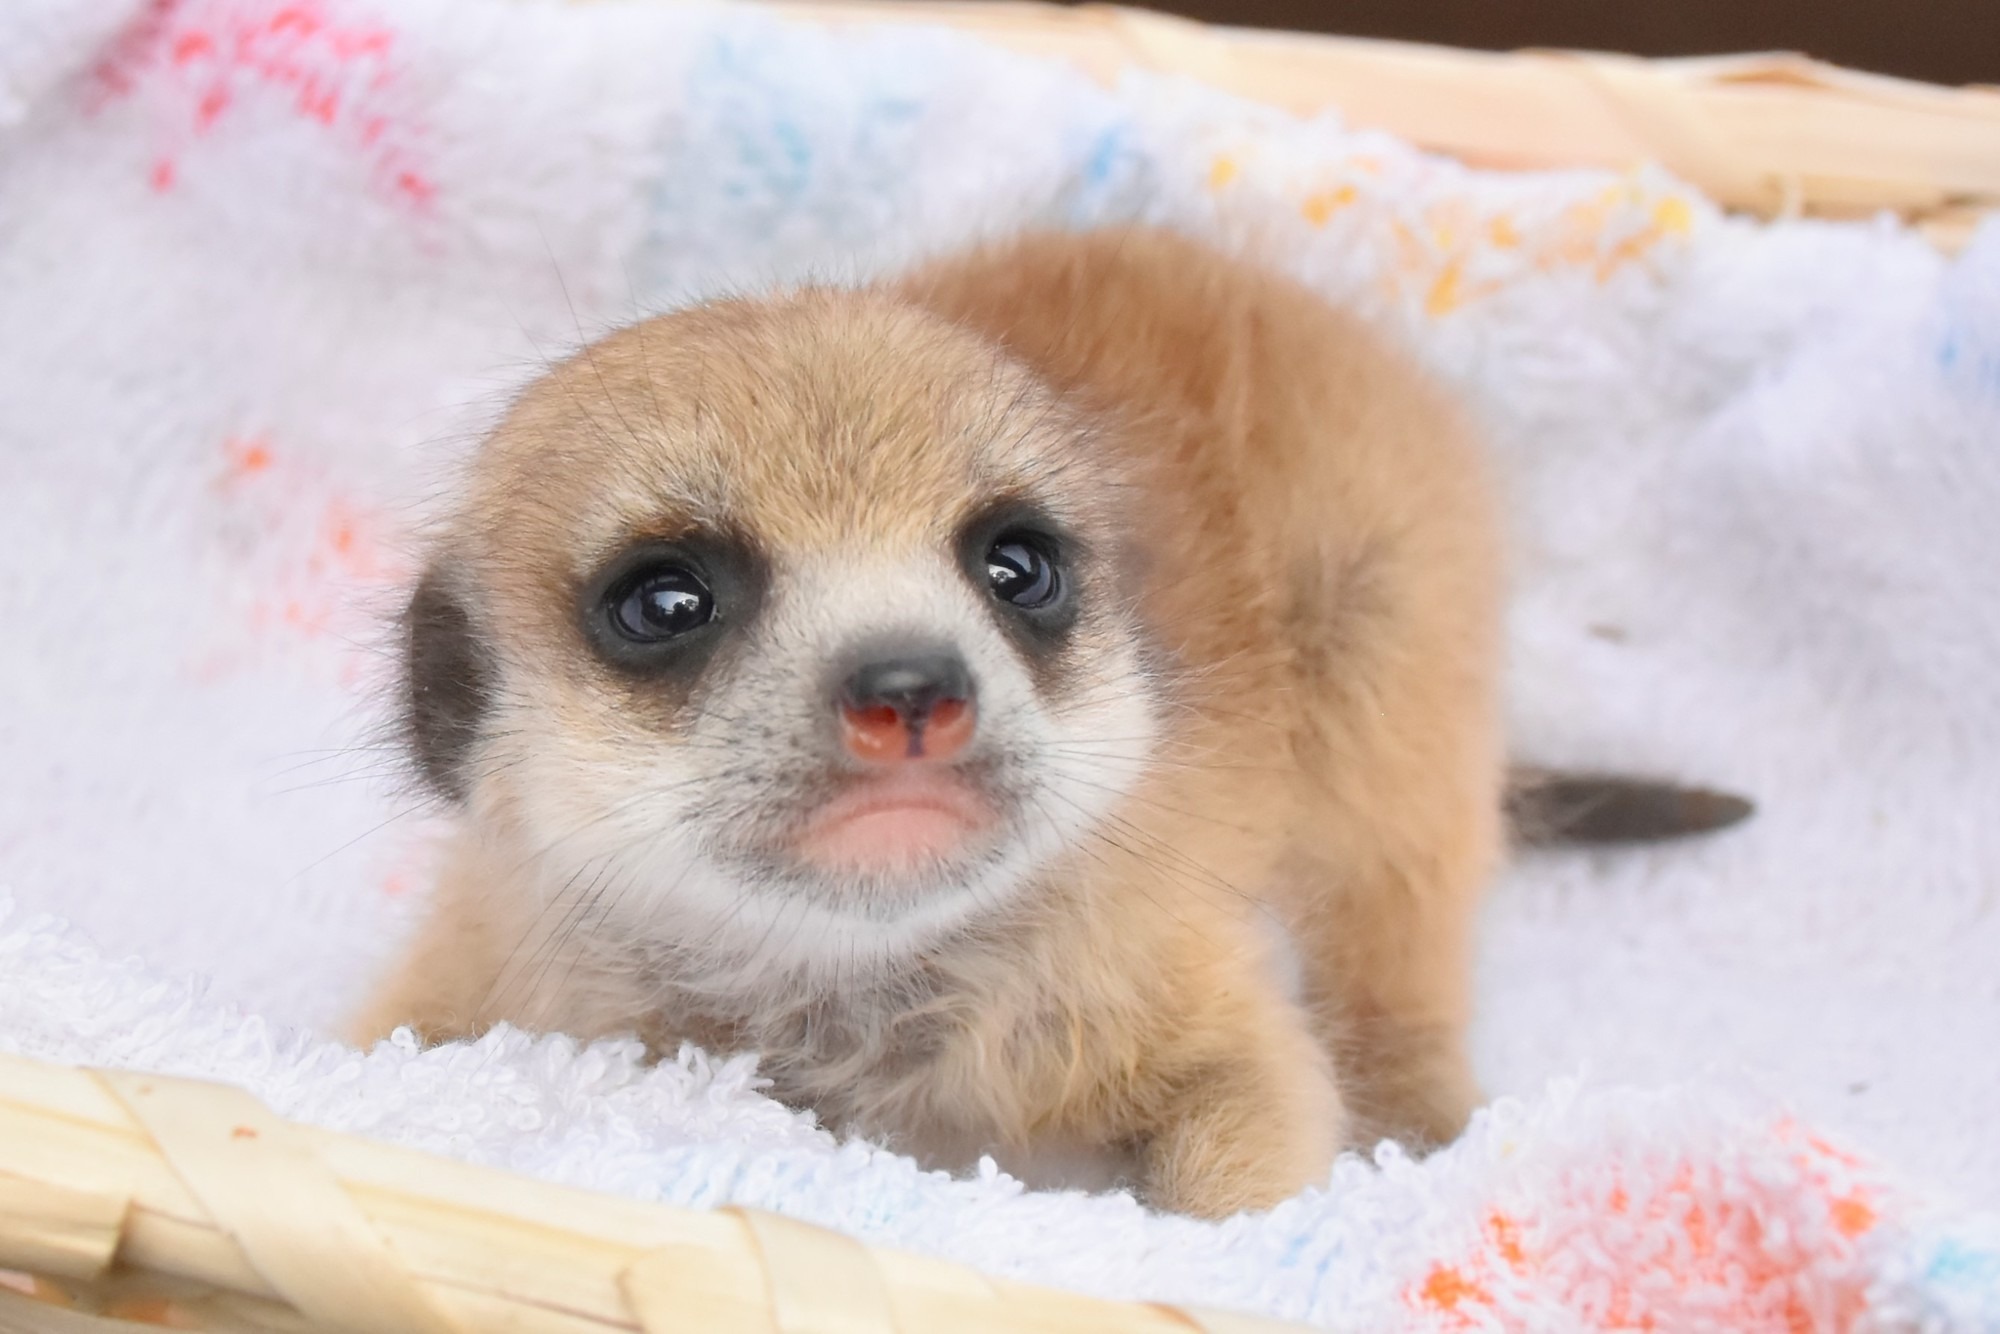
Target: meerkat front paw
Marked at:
1246, 1136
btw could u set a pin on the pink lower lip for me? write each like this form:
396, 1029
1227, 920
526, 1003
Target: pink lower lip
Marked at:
891, 825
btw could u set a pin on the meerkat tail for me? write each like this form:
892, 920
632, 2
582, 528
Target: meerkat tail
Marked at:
1546, 808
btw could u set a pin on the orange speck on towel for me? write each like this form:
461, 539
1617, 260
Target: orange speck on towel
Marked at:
1446, 1288
247, 458
1445, 295
1672, 215
1852, 1216
1323, 204
1505, 1234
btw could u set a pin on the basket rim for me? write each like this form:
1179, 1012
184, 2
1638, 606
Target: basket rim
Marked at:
128, 1196
1774, 135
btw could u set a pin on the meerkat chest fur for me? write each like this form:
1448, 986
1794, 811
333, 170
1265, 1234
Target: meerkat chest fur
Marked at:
970, 1046
1043, 702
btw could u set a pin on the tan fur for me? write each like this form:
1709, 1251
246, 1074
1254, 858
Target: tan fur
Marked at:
1314, 571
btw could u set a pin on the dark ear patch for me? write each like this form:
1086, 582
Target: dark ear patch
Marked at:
446, 684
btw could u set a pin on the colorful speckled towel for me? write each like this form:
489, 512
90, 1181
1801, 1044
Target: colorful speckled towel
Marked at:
266, 266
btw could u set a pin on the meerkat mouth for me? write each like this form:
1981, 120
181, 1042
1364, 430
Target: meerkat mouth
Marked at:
895, 823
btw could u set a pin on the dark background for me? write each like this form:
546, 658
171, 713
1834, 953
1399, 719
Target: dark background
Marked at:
1945, 41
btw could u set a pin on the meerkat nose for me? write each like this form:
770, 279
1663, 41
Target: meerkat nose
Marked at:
904, 707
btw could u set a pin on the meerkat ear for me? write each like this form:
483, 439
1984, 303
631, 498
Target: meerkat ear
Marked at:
447, 681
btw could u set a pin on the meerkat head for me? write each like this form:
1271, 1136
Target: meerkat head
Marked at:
793, 631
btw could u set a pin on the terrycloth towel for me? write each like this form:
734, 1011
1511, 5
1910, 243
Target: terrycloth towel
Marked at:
266, 266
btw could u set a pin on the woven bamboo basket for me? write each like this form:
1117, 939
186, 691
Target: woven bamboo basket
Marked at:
1774, 135
129, 1200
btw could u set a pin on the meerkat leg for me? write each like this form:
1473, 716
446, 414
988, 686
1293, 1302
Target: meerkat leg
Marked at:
426, 993
1405, 1000
1254, 1118
1392, 859
438, 988
1400, 828
1388, 950
444, 984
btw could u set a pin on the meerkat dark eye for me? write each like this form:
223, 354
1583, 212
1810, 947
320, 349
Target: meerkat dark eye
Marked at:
659, 609
1022, 571
658, 603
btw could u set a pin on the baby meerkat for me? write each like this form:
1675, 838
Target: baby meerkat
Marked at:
1046, 705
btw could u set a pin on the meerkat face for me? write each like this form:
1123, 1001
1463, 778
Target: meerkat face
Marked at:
796, 632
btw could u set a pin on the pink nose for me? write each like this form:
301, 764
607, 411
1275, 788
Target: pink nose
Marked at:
882, 735
906, 708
